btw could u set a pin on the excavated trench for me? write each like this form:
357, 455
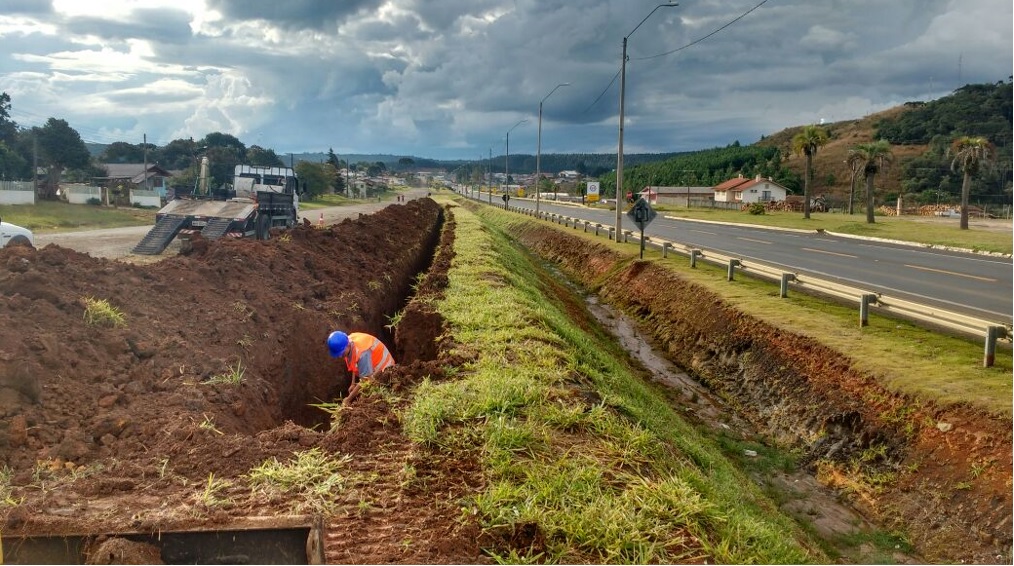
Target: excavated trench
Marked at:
901, 462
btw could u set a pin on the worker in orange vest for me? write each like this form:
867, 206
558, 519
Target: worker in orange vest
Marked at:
364, 355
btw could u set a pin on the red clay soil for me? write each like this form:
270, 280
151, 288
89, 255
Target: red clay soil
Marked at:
107, 429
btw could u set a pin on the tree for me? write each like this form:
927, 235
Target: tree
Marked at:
406, 163
970, 154
257, 155
808, 142
179, 154
122, 152
60, 147
8, 129
318, 178
870, 158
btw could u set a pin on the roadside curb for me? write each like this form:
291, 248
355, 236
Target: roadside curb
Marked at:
852, 236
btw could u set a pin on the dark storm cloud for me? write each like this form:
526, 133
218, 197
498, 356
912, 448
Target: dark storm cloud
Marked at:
299, 14
156, 25
26, 7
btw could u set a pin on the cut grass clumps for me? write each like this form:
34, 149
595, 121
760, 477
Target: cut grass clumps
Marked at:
314, 478
232, 376
585, 462
98, 312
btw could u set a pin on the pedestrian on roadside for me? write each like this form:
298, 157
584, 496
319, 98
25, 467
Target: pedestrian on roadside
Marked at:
364, 356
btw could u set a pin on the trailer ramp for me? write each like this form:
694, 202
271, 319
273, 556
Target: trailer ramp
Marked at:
158, 238
216, 228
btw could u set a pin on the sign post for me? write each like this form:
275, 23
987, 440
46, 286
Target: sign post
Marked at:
642, 214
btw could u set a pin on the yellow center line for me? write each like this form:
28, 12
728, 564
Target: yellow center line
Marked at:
829, 253
989, 279
752, 240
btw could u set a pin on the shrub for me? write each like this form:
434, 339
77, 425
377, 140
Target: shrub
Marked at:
756, 208
94, 201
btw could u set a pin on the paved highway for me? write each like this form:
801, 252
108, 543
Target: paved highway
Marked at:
972, 284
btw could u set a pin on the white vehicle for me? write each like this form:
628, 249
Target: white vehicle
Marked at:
15, 235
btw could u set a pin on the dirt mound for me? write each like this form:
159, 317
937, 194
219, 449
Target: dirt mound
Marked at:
215, 364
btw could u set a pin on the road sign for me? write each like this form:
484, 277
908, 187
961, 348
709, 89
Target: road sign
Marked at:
641, 213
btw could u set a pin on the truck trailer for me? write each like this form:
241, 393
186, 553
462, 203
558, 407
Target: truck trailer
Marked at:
259, 199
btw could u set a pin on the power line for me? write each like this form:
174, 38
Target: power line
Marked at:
696, 41
692, 43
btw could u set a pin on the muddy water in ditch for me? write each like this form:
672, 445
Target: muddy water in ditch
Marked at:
800, 496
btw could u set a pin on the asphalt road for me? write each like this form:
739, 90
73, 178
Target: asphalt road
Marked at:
973, 284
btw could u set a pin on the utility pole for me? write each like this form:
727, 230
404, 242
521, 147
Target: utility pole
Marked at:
145, 138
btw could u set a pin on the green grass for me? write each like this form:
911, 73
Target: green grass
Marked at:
617, 481
902, 356
314, 477
906, 229
47, 216
99, 312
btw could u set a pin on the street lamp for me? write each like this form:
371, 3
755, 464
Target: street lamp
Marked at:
506, 160
619, 151
538, 151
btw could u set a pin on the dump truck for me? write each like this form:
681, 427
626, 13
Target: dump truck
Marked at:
260, 198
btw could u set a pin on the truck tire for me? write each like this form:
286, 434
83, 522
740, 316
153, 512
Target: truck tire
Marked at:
20, 241
263, 229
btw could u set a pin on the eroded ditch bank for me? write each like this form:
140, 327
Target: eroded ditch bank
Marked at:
941, 476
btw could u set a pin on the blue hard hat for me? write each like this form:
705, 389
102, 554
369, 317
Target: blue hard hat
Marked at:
337, 342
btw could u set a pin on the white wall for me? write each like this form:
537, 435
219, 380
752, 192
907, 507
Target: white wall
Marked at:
145, 198
16, 192
79, 194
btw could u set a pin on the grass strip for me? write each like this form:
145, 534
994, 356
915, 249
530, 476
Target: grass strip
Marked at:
573, 441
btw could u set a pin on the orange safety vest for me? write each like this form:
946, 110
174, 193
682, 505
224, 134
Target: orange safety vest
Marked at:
367, 356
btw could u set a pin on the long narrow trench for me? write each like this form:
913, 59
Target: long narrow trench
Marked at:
797, 492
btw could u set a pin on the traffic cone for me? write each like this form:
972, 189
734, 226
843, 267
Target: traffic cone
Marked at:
320, 222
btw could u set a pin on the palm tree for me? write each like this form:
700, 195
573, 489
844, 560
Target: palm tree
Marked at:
807, 142
870, 158
970, 155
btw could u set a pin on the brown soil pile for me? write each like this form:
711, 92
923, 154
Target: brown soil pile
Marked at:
108, 428
940, 474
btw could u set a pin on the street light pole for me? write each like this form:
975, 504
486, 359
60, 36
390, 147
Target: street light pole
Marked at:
506, 161
619, 150
538, 151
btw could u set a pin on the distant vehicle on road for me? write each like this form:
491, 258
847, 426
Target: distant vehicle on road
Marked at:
14, 235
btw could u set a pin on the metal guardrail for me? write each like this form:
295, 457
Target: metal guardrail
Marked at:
941, 318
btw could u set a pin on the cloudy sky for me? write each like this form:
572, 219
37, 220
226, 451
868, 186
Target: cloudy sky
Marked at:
447, 79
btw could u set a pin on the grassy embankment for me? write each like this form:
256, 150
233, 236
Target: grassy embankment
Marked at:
571, 437
51, 216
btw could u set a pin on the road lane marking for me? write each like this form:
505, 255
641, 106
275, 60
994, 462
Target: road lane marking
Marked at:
705, 232
988, 279
752, 240
829, 253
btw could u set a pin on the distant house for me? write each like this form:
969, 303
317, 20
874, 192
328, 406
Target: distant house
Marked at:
678, 196
745, 190
568, 175
135, 176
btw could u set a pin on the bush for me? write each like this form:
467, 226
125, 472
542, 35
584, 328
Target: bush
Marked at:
756, 208
94, 201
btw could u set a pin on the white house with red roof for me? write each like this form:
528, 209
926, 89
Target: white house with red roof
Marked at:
745, 190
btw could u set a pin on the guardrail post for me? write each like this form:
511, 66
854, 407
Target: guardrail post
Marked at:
693, 257
665, 249
626, 234
864, 308
586, 226
992, 333
611, 230
733, 263
784, 289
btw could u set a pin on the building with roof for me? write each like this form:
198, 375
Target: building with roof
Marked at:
745, 190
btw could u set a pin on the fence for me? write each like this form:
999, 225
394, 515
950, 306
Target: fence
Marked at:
950, 321
141, 197
81, 194
17, 192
